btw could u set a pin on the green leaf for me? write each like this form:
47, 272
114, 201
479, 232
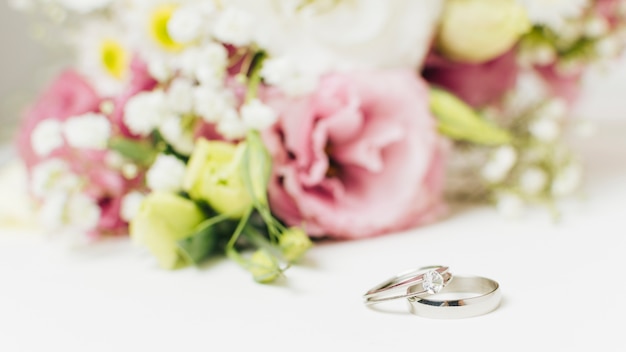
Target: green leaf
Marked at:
141, 152
459, 121
199, 246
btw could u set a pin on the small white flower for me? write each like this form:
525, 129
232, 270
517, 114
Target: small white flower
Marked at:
291, 78
510, 205
258, 116
186, 24
207, 64
131, 203
52, 176
46, 137
82, 213
500, 163
173, 132
145, 111
530, 90
533, 180
596, 27
89, 131
546, 130
554, 109
51, 214
159, 69
234, 27
67, 211
211, 104
567, 180
166, 174
180, 96
608, 47
231, 127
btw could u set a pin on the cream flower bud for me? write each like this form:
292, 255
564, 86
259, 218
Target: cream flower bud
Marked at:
46, 137
293, 243
166, 174
264, 266
480, 30
89, 131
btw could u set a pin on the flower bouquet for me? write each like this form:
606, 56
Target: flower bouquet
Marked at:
251, 128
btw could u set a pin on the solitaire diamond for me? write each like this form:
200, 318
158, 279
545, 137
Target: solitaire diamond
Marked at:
433, 282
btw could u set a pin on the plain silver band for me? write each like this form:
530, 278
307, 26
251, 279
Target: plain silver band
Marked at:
402, 282
477, 296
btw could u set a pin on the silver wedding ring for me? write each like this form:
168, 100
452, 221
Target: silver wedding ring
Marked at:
430, 279
463, 297
433, 292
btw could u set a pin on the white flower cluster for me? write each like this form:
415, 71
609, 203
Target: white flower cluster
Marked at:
88, 131
63, 206
573, 33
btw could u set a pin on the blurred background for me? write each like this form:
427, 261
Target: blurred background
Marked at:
27, 62
30, 58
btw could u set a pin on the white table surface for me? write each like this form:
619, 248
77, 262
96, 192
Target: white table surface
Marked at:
562, 284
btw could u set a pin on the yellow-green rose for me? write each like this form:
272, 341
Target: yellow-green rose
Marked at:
215, 175
164, 219
480, 30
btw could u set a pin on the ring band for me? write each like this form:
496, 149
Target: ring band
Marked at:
463, 297
431, 278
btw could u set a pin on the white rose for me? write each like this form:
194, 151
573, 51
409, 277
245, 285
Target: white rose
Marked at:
346, 34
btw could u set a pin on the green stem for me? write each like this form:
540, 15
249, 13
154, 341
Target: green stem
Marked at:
255, 76
231, 252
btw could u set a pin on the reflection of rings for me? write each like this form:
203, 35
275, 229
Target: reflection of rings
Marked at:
464, 297
425, 280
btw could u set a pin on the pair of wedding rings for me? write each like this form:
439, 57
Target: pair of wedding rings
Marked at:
433, 292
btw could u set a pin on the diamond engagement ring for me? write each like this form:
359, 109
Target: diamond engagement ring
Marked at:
464, 297
409, 284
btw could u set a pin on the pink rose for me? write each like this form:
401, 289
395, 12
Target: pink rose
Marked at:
358, 158
140, 81
71, 95
477, 84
